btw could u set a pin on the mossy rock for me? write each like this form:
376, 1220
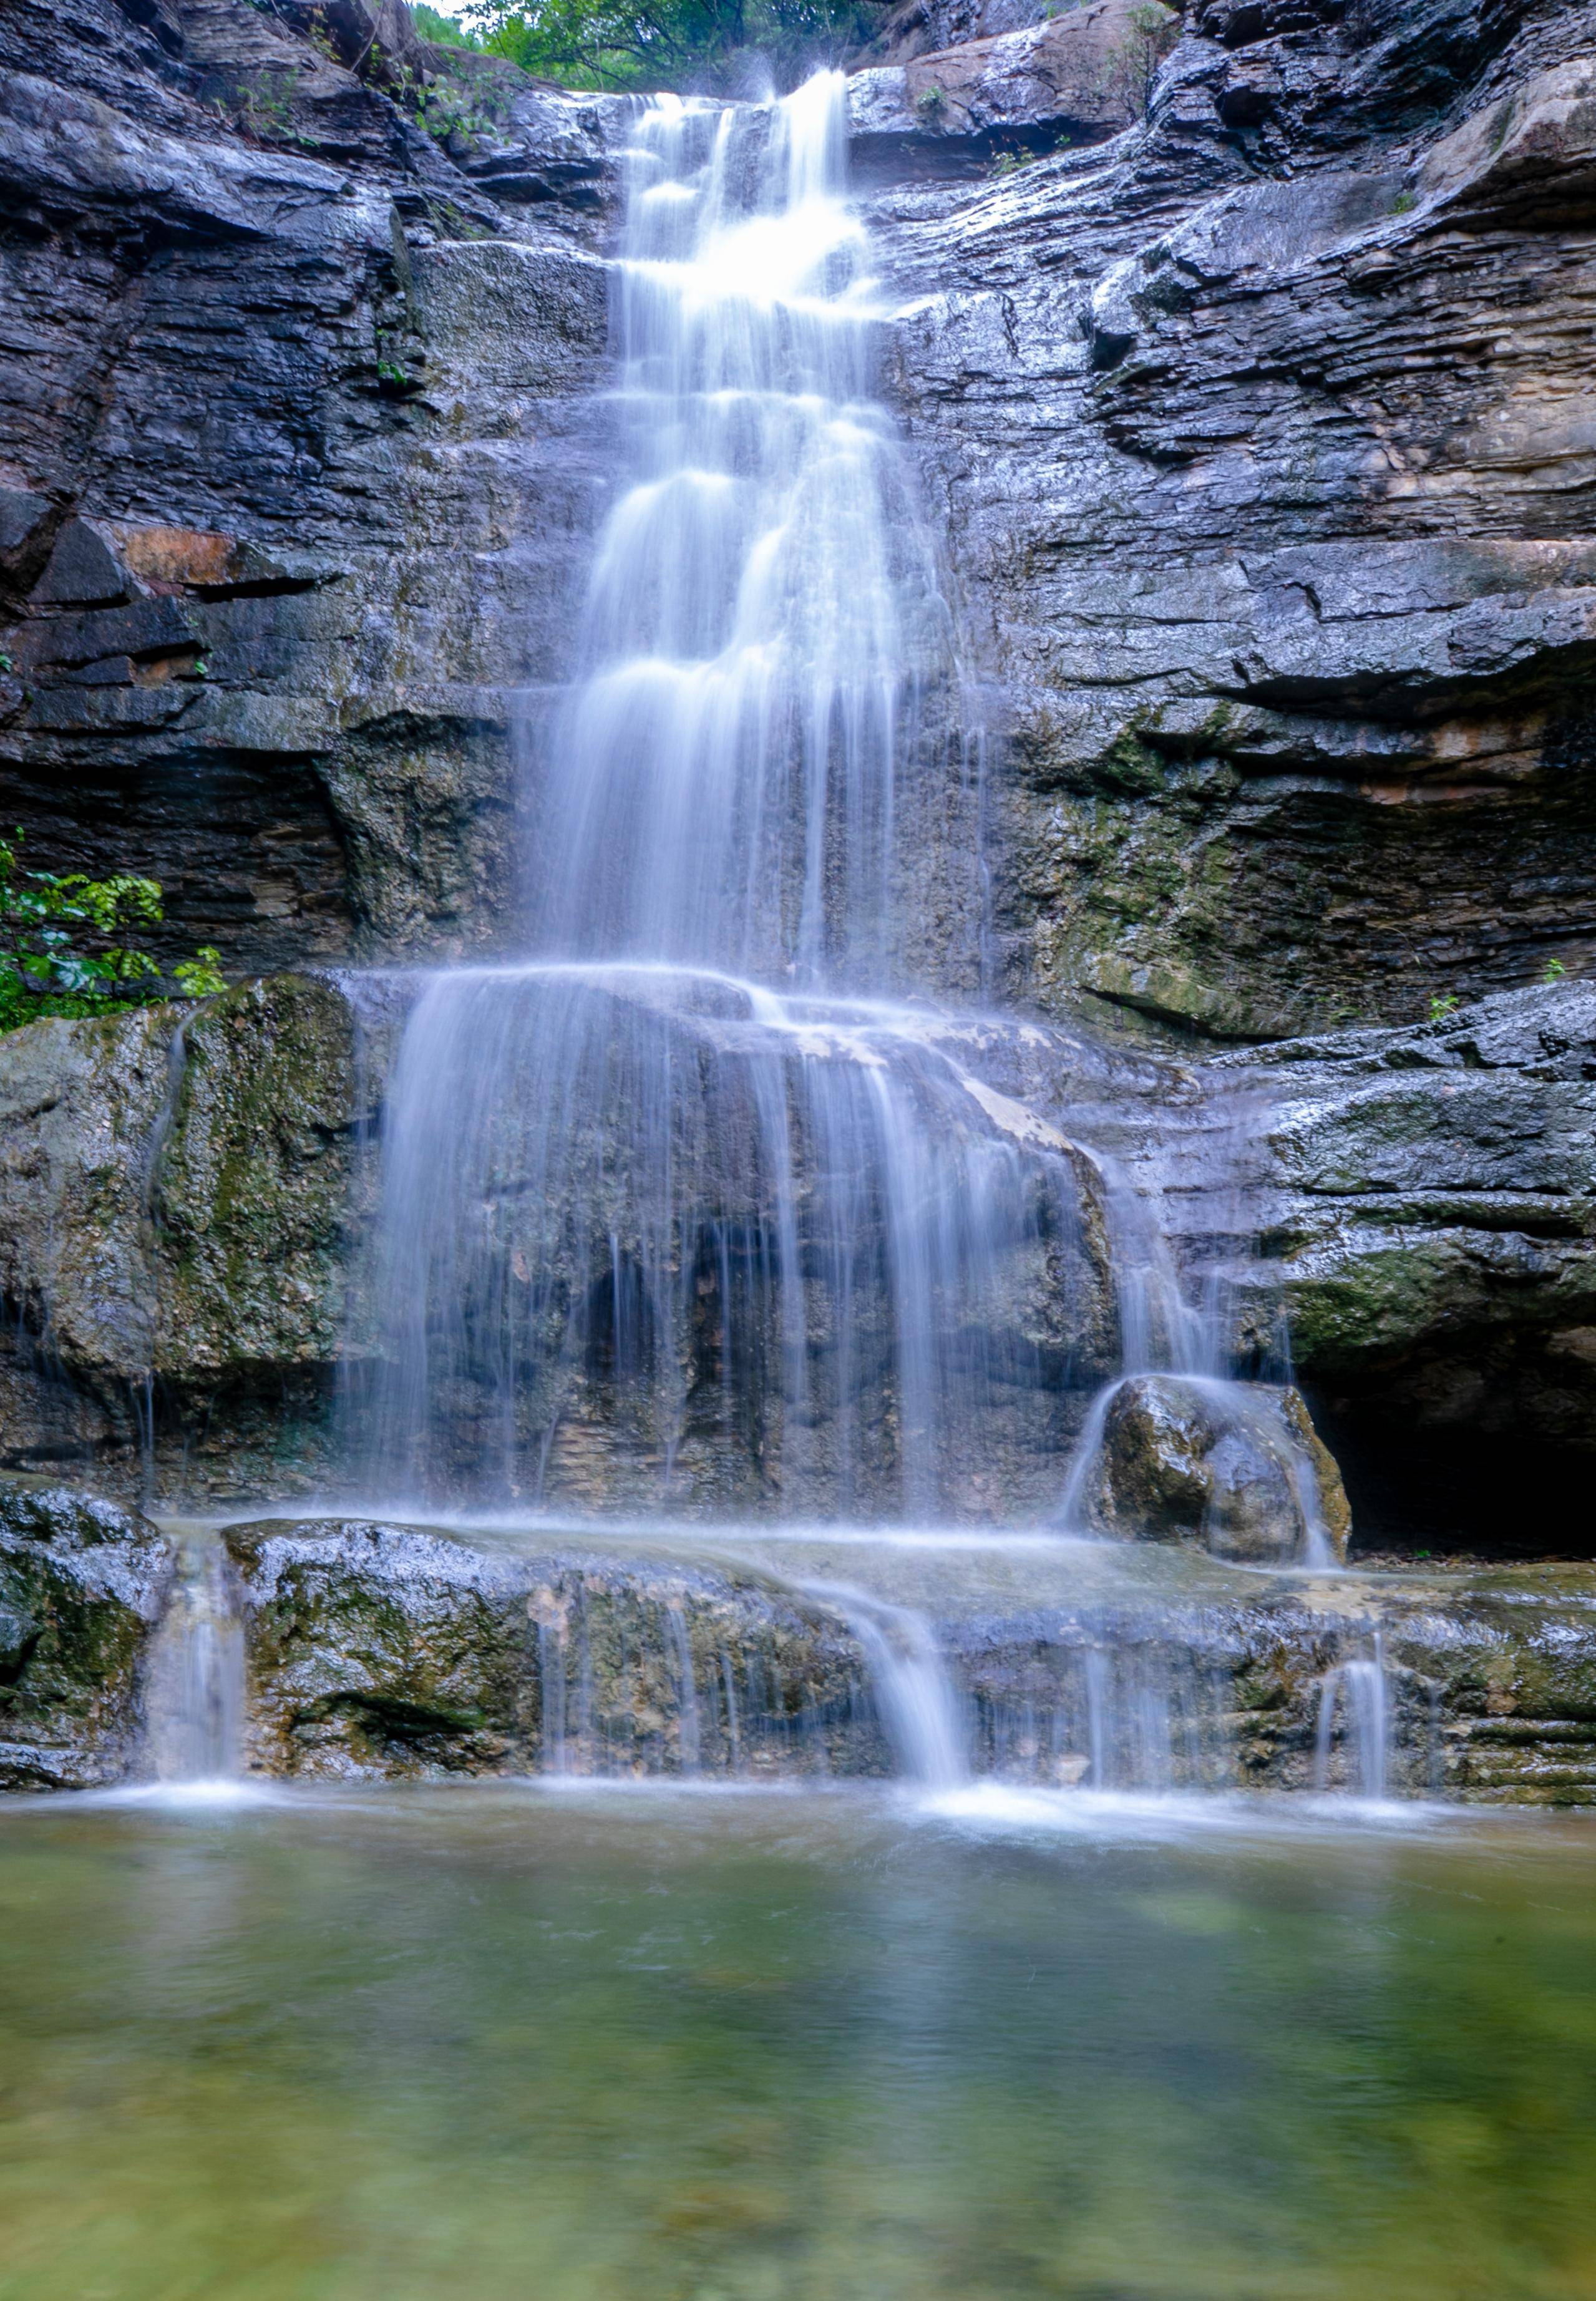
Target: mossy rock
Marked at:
82, 1586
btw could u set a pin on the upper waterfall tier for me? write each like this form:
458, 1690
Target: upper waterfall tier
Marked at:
768, 714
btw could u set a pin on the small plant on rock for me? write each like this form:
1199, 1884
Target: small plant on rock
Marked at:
1553, 971
1442, 1003
66, 944
1133, 66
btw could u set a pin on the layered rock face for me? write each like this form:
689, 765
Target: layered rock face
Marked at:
1256, 436
1426, 1200
1252, 427
297, 465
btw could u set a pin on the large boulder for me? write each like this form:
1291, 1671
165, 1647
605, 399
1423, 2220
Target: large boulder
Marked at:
82, 1587
1237, 1467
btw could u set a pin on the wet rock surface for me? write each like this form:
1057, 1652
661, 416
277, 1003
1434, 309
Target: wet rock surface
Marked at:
384, 1649
1236, 1466
180, 1192
1480, 1686
1426, 1200
289, 504
1253, 436
1252, 431
82, 1586
1075, 78
376, 1650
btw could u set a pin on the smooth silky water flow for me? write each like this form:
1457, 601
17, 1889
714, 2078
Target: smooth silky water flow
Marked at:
708, 1210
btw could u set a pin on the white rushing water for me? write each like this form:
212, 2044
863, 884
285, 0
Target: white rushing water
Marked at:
696, 1206
746, 747
194, 1695
673, 1177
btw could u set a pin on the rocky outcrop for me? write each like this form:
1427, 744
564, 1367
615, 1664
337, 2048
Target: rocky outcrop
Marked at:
1073, 78
1479, 1687
298, 468
388, 1651
1405, 1220
82, 1588
179, 1198
1254, 434
1252, 431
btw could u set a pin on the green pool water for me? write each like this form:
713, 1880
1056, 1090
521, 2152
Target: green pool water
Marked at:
619, 2046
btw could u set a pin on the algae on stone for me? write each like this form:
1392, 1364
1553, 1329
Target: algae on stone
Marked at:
82, 1586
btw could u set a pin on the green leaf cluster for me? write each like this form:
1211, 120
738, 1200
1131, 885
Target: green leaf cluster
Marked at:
443, 31
67, 943
708, 45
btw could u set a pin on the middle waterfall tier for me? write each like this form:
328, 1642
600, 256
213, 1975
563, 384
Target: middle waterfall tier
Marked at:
653, 1237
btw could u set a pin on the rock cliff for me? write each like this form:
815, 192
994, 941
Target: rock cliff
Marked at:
1253, 426
1255, 435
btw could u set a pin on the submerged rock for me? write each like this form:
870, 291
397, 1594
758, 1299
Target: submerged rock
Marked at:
378, 1649
1235, 1466
82, 1586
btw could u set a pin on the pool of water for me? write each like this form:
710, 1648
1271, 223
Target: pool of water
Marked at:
628, 2046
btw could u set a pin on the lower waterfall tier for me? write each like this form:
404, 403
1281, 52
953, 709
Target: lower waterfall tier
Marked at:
326, 1649
1045, 1664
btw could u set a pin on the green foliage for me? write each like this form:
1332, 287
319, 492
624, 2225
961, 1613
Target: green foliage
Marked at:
262, 107
1405, 203
1442, 1005
649, 44
201, 977
442, 30
1553, 971
65, 947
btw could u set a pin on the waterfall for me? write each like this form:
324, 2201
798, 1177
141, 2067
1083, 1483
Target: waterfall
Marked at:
679, 1211
696, 1205
1355, 1695
764, 752
919, 1707
195, 1698
770, 1243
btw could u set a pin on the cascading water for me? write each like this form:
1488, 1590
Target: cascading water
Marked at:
679, 1214
768, 749
764, 1238
195, 1698
1355, 1721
